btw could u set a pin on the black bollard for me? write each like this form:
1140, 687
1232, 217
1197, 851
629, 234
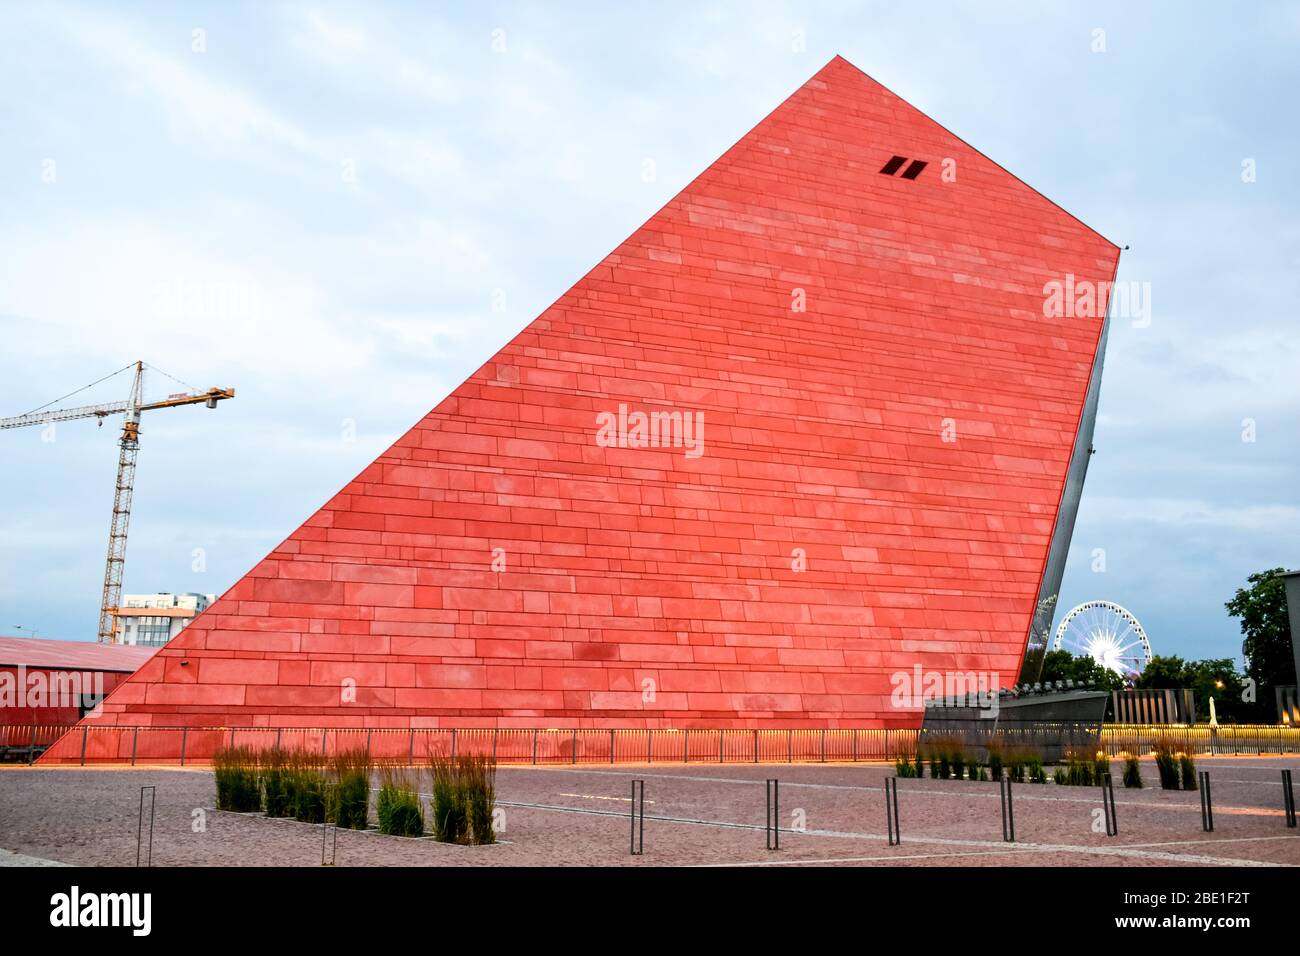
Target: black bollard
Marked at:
1288, 799
139, 830
1008, 811
637, 844
891, 811
326, 829
1108, 804
1207, 807
773, 822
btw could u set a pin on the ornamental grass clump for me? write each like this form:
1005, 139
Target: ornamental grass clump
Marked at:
947, 758
238, 786
1017, 760
349, 789
1166, 763
398, 808
995, 758
447, 806
1132, 772
1037, 774
305, 787
1085, 766
1018, 764
275, 792
1101, 764
464, 792
1187, 767
907, 764
480, 775
1080, 767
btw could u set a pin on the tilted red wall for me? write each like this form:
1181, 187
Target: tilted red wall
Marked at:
630, 570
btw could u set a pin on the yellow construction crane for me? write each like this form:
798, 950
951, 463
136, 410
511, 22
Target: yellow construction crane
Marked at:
130, 445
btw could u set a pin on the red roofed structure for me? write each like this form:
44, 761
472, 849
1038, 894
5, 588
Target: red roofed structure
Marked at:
809, 427
56, 682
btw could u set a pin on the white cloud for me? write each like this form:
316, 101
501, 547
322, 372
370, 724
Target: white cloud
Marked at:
422, 81
219, 112
1274, 519
110, 284
378, 58
330, 39
415, 158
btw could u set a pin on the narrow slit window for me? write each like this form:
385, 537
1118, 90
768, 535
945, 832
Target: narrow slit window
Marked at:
892, 166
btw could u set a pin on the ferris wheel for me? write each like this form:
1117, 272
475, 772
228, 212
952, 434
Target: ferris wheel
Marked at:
1107, 633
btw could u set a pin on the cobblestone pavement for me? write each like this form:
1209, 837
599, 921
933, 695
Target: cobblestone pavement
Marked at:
697, 814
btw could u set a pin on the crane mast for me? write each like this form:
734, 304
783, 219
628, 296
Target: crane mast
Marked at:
128, 449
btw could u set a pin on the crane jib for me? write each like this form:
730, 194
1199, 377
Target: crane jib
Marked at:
129, 446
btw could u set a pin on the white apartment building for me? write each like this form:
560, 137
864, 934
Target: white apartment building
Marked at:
152, 620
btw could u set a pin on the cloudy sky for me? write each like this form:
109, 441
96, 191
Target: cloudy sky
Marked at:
319, 204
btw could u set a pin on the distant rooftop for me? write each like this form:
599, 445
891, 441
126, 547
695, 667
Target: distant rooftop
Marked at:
72, 655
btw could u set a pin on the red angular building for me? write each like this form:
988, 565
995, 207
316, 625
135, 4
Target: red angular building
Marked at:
811, 426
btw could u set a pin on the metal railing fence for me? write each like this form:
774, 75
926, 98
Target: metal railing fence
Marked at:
87, 744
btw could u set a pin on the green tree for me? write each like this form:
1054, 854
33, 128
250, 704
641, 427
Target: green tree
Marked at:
1054, 665
1267, 644
1163, 671
1086, 670
1062, 665
1218, 679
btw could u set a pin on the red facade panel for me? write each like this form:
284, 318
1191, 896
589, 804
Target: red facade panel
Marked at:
49, 696
806, 428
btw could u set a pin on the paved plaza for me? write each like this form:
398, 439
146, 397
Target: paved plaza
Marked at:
701, 814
